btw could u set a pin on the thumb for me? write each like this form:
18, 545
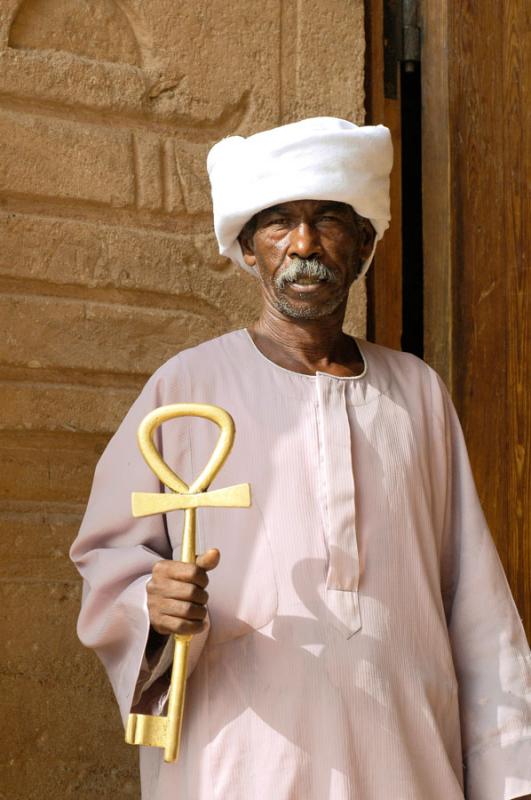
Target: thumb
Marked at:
208, 560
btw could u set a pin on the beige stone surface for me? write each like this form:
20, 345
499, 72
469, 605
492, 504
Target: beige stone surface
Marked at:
48, 467
36, 544
51, 406
97, 30
63, 742
108, 266
95, 163
101, 336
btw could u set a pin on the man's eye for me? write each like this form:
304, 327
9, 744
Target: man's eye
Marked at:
280, 221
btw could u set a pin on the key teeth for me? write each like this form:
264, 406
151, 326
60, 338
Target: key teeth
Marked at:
146, 730
130, 730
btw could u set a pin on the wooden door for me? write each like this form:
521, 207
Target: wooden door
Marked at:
478, 287
382, 103
475, 220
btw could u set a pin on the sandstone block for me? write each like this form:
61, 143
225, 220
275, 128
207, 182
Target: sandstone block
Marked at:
167, 269
55, 407
35, 546
342, 93
100, 256
193, 176
59, 78
74, 334
149, 98
46, 650
100, 30
43, 657
50, 157
149, 156
52, 750
48, 467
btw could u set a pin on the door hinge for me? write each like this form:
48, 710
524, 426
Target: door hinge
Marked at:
402, 39
410, 54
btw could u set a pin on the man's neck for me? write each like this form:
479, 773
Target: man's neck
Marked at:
307, 346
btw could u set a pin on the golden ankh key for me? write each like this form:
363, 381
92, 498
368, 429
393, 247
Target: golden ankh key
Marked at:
166, 731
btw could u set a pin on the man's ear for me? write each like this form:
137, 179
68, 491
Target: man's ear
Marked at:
247, 250
368, 235
246, 243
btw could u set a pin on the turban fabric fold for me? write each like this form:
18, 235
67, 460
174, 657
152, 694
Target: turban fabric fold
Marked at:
323, 158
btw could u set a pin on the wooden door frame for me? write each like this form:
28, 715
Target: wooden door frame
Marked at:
438, 255
384, 279
477, 298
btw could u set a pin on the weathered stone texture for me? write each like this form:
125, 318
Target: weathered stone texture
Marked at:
58, 712
95, 164
36, 544
56, 407
108, 266
101, 336
96, 29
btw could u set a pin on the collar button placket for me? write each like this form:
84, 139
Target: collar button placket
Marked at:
341, 592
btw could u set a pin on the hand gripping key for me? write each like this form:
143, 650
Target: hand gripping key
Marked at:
166, 731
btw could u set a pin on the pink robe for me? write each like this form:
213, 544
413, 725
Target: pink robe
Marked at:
363, 640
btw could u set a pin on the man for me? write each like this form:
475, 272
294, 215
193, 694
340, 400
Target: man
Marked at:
361, 640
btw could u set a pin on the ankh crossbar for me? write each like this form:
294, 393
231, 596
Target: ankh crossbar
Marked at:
165, 731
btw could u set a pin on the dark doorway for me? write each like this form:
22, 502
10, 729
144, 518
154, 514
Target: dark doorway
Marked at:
412, 339
393, 98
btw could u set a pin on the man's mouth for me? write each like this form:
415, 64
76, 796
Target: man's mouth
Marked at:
307, 281
307, 286
305, 275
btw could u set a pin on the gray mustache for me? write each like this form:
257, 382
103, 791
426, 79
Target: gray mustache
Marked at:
304, 268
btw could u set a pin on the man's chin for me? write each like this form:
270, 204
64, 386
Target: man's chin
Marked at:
306, 310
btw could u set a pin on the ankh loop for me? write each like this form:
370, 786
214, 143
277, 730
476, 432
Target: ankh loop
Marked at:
165, 731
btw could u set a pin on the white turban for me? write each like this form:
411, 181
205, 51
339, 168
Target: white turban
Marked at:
323, 158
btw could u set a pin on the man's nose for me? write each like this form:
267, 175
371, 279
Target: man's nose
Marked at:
304, 241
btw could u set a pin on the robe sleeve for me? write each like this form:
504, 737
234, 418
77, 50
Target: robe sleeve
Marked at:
490, 651
115, 553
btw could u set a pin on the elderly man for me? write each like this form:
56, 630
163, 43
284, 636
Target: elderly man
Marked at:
360, 639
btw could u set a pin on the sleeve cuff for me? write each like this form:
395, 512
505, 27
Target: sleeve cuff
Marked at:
153, 668
159, 662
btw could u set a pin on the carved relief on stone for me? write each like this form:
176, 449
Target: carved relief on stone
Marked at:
97, 29
131, 138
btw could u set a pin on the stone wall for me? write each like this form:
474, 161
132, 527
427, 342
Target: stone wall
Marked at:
108, 266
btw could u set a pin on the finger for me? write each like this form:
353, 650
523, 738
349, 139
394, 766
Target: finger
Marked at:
208, 560
188, 592
181, 627
179, 571
182, 609
177, 590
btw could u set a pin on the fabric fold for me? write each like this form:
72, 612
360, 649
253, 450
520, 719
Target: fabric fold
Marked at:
341, 593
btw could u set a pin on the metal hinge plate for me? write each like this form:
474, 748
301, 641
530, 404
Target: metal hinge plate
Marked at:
402, 40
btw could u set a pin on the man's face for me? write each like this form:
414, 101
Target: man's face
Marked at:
307, 253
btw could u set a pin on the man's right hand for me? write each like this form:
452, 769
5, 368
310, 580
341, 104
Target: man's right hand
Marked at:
176, 595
